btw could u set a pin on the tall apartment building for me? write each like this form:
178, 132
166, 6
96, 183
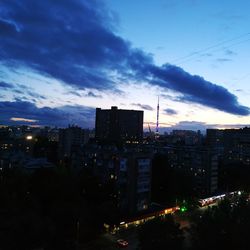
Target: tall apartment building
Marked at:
234, 143
118, 124
200, 162
134, 182
129, 171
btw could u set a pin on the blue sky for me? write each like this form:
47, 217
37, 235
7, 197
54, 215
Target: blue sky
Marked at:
65, 58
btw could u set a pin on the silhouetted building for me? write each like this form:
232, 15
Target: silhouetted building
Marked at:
118, 124
186, 137
129, 171
69, 138
234, 144
199, 162
134, 182
215, 137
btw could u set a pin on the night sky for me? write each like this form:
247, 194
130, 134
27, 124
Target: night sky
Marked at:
60, 59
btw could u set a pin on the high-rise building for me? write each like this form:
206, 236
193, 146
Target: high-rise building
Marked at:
134, 181
118, 124
198, 162
233, 143
68, 138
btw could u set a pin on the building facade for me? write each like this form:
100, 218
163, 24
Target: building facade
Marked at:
118, 124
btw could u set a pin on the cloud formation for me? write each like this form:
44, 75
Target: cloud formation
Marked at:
92, 94
196, 89
20, 119
198, 125
170, 111
21, 112
5, 85
142, 106
74, 42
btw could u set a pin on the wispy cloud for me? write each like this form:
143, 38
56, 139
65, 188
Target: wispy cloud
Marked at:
229, 52
92, 94
19, 119
76, 93
142, 106
222, 60
170, 111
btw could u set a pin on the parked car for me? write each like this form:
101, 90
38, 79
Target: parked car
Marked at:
122, 243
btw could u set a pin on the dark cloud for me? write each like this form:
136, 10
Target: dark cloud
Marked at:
21, 99
88, 94
21, 89
22, 86
36, 95
73, 41
143, 106
60, 116
92, 94
5, 85
170, 97
18, 91
170, 111
75, 93
70, 41
197, 90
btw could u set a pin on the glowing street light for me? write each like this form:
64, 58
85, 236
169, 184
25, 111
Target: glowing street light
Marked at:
183, 209
29, 137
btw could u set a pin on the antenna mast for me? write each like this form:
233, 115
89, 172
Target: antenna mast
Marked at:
157, 122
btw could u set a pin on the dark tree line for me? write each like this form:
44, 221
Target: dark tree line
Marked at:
161, 234
225, 226
52, 209
234, 176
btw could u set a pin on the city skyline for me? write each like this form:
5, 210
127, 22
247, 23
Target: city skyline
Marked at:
62, 60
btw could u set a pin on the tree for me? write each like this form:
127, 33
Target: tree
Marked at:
161, 233
222, 227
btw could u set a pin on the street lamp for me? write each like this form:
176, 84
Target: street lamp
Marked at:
29, 137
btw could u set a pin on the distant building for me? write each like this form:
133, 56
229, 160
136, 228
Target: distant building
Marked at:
70, 138
53, 135
215, 137
199, 162
187, 137
234, 144
118, 124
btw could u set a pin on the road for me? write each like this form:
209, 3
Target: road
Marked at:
109, 241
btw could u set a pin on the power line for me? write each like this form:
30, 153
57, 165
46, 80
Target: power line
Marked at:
197, 53
230, 46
